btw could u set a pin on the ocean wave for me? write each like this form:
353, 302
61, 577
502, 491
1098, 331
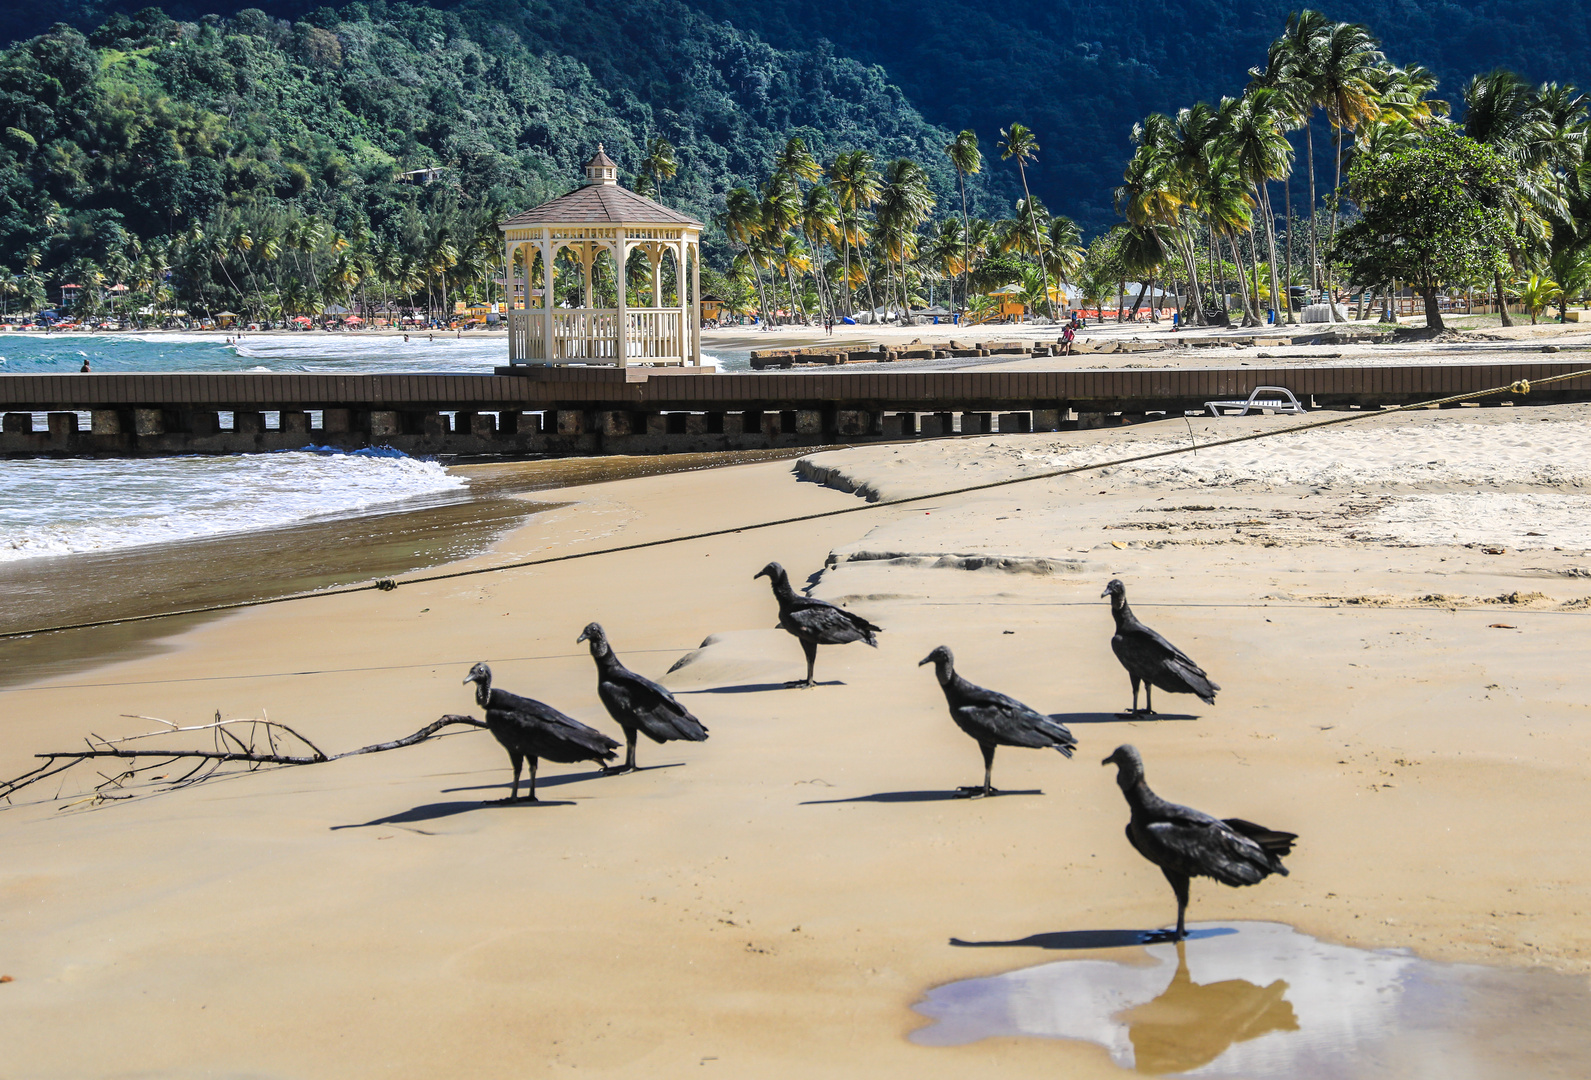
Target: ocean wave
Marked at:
63, 507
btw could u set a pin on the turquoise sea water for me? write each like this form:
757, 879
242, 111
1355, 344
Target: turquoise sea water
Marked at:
36, 354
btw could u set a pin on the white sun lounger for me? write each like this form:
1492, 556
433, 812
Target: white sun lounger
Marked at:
1281, 399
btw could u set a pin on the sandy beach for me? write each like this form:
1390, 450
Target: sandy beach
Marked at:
774, 901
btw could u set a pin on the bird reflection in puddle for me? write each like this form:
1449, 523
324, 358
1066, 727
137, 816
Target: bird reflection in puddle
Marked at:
1261, 1000
1191, 1024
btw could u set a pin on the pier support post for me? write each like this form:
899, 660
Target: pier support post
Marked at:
571, 422
109, 422
937, 424
201, 422
336, 421
383, 423
295, 422
1015, 421
734, 423
696, 424
17, 423
248, 423
853, 422
614, 422
147, 422
809, 422
976, 423
900, 425
434, 425
480, 425
63, 425
1047, 419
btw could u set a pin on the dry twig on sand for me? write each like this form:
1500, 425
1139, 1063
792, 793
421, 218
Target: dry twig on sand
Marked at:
252, 742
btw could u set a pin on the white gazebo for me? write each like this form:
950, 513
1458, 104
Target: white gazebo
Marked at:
603, 223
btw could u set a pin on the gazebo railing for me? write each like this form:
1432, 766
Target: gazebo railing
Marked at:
654, 335
590, 336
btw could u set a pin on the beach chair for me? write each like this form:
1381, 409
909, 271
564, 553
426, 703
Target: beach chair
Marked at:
1281, 400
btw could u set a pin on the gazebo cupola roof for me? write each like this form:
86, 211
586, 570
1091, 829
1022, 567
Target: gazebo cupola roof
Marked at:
602, 169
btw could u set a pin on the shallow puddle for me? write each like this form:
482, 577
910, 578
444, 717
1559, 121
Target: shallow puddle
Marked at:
1261, 1000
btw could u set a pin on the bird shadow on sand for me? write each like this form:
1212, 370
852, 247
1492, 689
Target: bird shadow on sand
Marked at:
1091, 939
438, 810
1069, 718
561, 778
752, 688
913, 796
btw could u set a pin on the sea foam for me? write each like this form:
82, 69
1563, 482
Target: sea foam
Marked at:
62, 507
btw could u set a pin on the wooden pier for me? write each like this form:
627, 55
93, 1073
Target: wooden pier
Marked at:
584, 411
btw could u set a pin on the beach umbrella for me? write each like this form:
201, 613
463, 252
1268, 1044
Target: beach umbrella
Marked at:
302, 319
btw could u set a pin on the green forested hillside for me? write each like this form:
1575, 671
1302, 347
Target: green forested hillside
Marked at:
149, 129
1079, 72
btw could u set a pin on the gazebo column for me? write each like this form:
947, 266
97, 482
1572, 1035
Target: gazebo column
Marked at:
621, 328
655, 253
693, 306
549, 256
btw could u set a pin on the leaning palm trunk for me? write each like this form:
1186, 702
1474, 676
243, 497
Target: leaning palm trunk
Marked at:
1270, 240
1336, 201
1502, 299
1287, 286
1314, 254
1242, 279
1190, 265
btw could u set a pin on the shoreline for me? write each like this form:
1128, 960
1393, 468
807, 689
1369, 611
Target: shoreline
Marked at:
423, 532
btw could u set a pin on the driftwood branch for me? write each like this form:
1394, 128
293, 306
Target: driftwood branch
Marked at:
229, 748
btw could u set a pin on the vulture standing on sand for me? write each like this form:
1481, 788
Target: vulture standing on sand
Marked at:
529, 729
993, 719
1186, 843
815, 622
637, 703
1150, 658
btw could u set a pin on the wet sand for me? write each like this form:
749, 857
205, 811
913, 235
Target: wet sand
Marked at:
775, 901
321, 554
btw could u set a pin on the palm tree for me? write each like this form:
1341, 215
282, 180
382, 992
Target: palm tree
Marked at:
742, 222
904, 202
1294, 67
1253, 131
796, 161
856, 187
967, 160
1501, 111
1349, 71
1537, 293
659, 164
1020, 143
820, 223
781, 210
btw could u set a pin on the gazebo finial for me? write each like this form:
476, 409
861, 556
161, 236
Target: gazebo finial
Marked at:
601, 169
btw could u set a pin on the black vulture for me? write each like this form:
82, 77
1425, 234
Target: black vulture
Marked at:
530, 729
637, 703
1186, 843
993, 719
815, 622
1151, 659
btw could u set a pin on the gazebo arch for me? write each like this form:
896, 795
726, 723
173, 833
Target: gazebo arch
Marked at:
603, 216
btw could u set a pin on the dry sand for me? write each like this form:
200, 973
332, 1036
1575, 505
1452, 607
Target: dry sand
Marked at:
774, 901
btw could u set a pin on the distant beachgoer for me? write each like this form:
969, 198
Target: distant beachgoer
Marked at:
430, 337
84, 369
405, 337
1067, 334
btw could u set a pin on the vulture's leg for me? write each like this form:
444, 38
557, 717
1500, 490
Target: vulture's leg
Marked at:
974, 791
629, 755
534, 761
519, 763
